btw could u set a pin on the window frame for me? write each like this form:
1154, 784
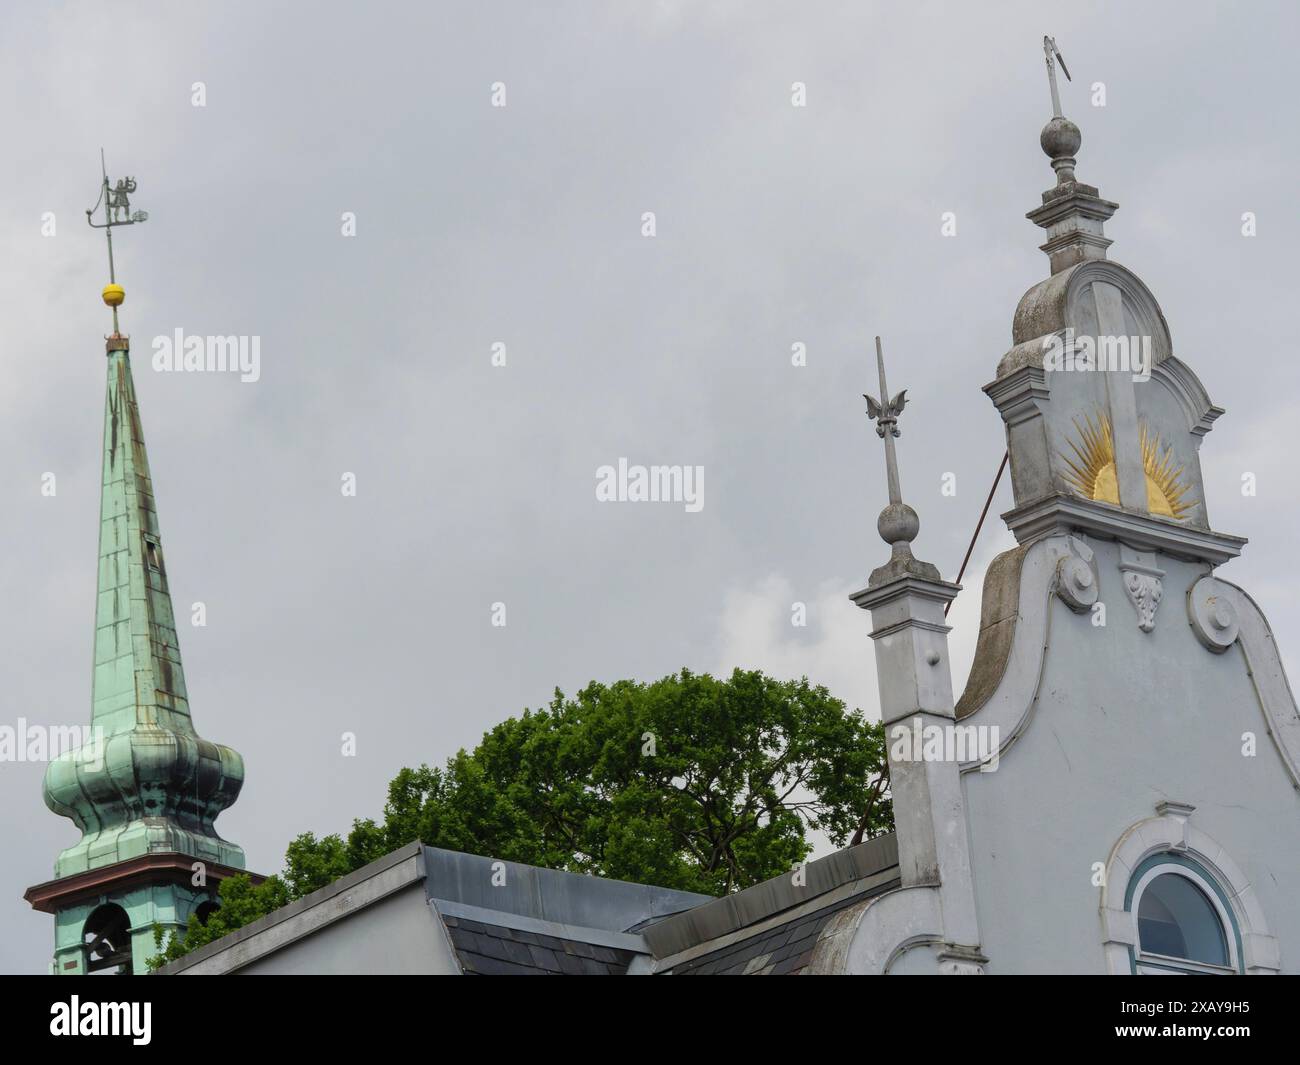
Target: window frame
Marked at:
1151, 964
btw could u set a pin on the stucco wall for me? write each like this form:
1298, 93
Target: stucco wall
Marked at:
1123, 720
398, 934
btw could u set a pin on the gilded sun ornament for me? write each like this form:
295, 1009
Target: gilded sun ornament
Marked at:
1092, 471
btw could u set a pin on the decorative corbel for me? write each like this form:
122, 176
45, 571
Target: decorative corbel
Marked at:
1142, 583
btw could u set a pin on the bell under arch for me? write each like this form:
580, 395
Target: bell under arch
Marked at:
107, 938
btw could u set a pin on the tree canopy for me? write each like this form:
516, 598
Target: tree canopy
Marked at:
688, 782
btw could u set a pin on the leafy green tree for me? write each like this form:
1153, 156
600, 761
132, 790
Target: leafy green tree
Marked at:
241, 903
688, 782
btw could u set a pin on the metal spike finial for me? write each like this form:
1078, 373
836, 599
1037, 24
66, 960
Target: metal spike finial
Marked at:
117, 212
1049, 51
885, 414
1060, 138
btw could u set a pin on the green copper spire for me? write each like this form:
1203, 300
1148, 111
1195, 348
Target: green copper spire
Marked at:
147, 789
156, 785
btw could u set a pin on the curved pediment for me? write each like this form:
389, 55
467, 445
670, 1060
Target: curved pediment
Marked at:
1066, 301
1097, 405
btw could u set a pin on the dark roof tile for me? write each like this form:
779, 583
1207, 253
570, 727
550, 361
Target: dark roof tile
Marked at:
570, 965
498, 967
518, 952
492, 949
544, 958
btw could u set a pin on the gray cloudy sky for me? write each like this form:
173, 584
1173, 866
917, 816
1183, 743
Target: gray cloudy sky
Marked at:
521, 225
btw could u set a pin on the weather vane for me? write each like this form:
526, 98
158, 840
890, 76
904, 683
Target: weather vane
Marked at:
886, 419
1050, 50
117, 212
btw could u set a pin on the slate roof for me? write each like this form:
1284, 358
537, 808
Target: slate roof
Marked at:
500, 918
493, 950
780, 951
772, 927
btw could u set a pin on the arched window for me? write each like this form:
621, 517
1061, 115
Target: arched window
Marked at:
1184, 925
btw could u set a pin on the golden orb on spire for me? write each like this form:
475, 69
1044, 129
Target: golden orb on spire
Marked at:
114, 295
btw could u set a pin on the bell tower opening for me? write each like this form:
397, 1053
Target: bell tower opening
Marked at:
107, 935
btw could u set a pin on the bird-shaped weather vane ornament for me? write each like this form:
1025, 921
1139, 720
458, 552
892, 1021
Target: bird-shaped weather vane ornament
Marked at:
116, 201
885, 414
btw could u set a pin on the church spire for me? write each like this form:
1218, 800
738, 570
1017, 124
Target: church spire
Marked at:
146, 790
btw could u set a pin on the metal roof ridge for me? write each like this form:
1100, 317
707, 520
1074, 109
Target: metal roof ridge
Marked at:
731, 913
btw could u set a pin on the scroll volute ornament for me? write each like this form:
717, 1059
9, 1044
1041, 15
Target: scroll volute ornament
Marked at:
1212, 614
1076, 577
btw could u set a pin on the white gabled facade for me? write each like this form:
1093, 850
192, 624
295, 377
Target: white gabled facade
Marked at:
1142, 811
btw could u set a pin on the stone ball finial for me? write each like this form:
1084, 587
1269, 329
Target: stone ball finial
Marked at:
1060, 140
898, 523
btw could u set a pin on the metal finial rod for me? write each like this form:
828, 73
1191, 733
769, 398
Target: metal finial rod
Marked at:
885, 415
117, 212
1050, 50
891, 456
108, 234
880, 367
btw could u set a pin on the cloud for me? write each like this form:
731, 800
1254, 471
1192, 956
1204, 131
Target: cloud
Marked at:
835, 648
755, 632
